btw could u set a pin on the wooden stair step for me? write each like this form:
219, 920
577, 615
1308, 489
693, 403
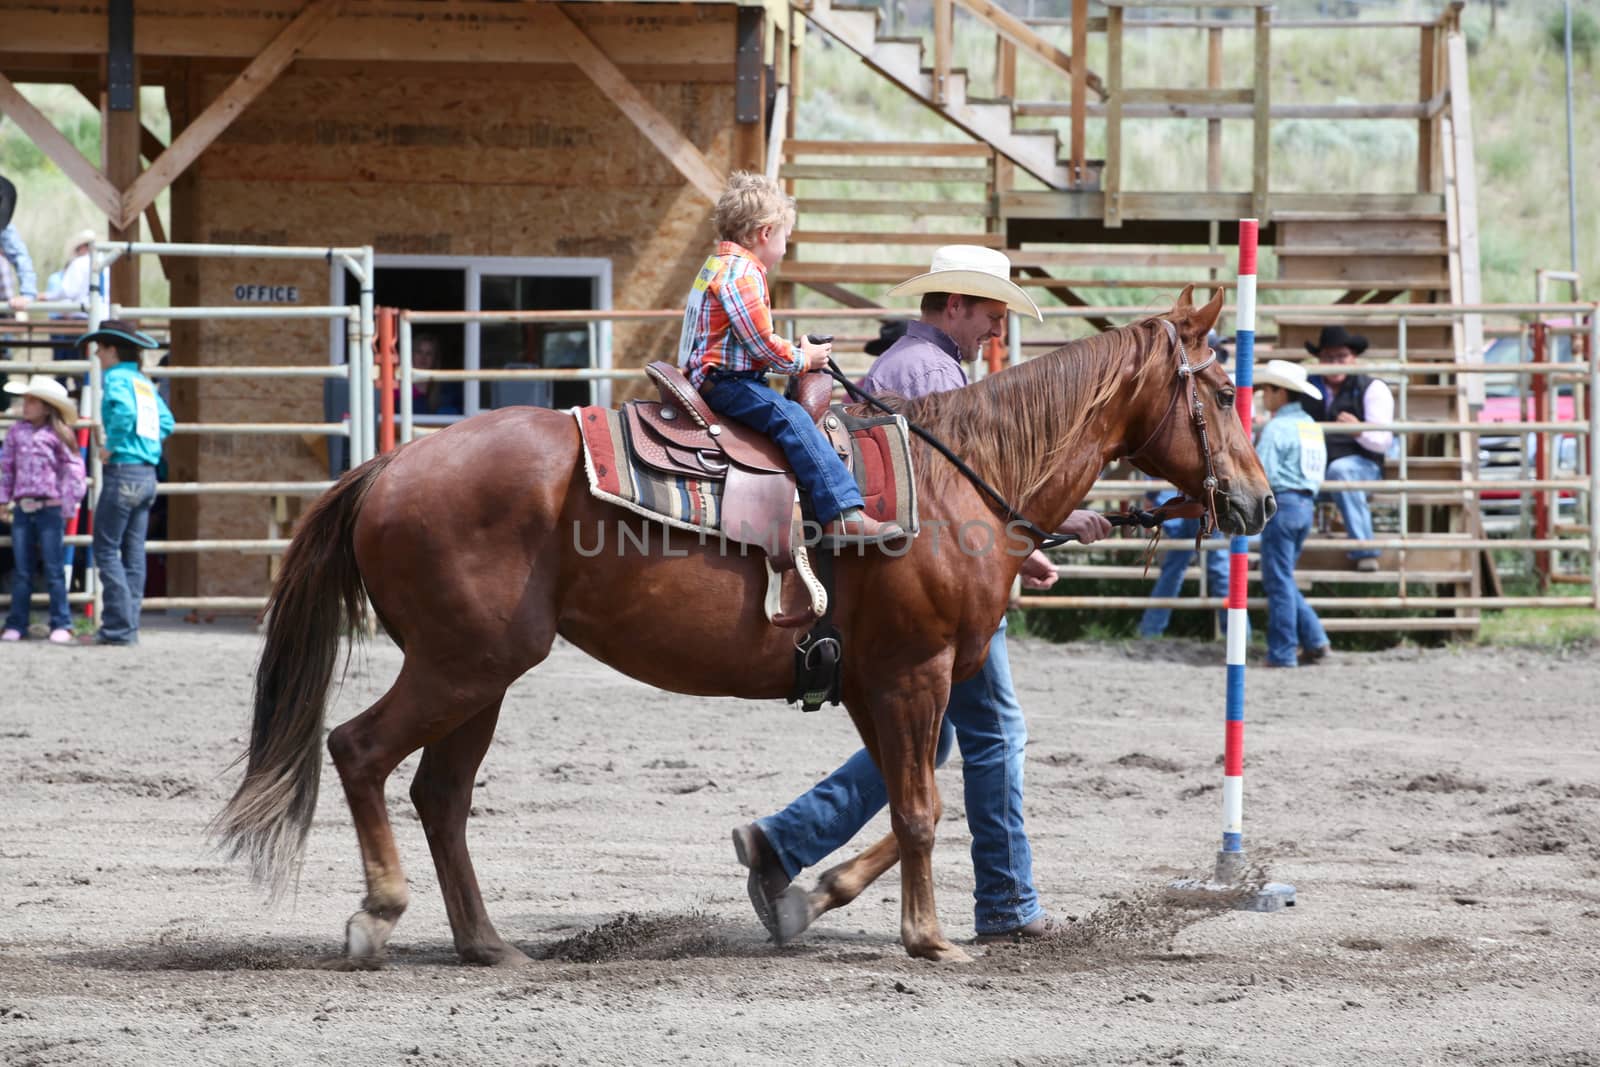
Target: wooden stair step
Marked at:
912, 208
1296, 250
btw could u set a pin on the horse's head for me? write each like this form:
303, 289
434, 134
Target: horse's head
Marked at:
1189, 447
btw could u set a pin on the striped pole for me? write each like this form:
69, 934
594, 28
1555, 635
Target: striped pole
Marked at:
1230, 860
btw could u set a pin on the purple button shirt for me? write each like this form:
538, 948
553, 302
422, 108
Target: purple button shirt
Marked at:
35, 462
926, 360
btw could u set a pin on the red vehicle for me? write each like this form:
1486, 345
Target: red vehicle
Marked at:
1502, 458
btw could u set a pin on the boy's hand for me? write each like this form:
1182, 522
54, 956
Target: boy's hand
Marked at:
816, 355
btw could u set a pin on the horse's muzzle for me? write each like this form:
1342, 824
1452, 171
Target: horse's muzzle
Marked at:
1245, 513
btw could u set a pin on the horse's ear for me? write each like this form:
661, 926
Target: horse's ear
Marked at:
1185, 299
1206, 318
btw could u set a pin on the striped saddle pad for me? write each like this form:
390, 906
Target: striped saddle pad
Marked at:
880, 459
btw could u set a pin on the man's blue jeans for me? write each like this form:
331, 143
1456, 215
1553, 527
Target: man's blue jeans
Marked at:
1154, 621
984, 717
745, 397
121, 519
1353, 503
36, 538
1291, 624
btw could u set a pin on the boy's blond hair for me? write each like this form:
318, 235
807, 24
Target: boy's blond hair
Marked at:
750, 202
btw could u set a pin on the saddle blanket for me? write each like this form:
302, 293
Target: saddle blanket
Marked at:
880, 460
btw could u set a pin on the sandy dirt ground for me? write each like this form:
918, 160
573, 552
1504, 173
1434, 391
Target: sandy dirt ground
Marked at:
1438, 812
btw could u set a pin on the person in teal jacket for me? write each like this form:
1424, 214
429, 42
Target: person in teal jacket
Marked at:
1295, 457
134, 422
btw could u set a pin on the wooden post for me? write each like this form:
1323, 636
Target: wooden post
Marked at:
119, 149
1113, 172
1005, 69
182, 451
1428, 126
944, 13
1080, 87
750, 91
1263, 115
1214, 126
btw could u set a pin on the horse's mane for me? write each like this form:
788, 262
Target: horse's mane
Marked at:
1013, 427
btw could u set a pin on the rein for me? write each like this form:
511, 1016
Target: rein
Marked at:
1181, 507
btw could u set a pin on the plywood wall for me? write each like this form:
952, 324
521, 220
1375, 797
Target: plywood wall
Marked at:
537, 165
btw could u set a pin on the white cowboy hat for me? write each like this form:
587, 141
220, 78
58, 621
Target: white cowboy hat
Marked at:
971, 270
78, 240
1286, 375
50, 391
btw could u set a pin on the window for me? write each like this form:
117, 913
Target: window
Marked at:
495, 283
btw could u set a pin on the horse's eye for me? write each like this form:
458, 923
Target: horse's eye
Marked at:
1226, 396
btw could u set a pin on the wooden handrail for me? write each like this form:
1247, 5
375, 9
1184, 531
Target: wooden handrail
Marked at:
1017, 32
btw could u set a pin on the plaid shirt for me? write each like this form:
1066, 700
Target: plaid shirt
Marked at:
727, 324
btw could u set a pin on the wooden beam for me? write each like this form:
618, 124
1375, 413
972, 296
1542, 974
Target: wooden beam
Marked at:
1427, 129
1111, 176
943, 45
1080, 88
882, 173
931, 149
119, 150
1262, 163
1214, 126
49, 140
1466, 205
150, 146
842, 295
217, 116
1068, 297
655, 126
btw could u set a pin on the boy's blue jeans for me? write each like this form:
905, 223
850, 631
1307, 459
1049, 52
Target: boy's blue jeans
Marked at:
1154, 621
1353, 502
121, 519
984, 717
1291, 623
37, 537
745, 397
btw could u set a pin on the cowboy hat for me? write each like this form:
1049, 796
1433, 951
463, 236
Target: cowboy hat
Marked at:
77, 241
50, 391
971, 270
889, 331
1286, 375
1337, 337
8, 201
119, 333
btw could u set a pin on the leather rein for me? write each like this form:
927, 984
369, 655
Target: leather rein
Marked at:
1178, 508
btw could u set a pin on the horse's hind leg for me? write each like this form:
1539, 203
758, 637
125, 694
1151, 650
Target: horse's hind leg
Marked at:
366, 750
442, 793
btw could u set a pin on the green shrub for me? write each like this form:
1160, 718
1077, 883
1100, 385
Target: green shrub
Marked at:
1585, 31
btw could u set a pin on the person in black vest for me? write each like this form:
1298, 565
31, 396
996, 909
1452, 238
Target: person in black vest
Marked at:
1352, 457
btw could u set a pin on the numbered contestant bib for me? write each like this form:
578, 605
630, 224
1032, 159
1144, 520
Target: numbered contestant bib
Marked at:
147, 422
1313, 452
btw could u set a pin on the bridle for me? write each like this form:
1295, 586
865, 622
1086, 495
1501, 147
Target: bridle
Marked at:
1187, 374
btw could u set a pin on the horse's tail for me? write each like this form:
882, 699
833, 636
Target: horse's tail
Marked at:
318, 598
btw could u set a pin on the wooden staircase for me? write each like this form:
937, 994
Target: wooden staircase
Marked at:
902, 61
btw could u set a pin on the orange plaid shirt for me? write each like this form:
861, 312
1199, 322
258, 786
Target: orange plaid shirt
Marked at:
727, 324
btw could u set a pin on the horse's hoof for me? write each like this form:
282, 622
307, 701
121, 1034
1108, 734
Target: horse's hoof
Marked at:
792, 914
944, 952
501, 955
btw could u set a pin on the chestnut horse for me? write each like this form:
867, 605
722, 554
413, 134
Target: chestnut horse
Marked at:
467, 544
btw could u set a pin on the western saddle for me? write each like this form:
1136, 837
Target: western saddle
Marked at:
681, 435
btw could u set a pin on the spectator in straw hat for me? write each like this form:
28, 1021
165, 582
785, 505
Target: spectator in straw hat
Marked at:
41, 482
134, 421
1295, 457
965, 298
74, 282
1352, 457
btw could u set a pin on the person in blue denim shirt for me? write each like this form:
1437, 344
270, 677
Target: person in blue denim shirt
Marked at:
1295, 457
134, 423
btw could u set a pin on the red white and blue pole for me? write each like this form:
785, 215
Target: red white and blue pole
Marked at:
1232, 854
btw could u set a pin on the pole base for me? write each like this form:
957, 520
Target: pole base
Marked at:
1226, 881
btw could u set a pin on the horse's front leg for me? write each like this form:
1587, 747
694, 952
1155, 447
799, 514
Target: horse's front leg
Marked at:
906, 713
